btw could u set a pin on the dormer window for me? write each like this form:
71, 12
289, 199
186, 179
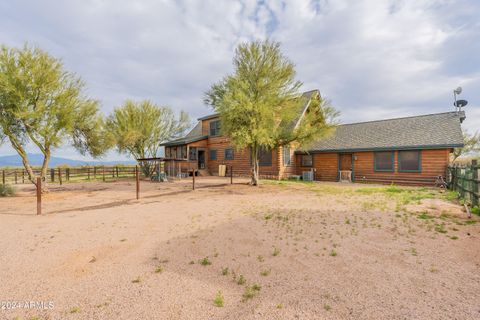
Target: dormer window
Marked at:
214, 128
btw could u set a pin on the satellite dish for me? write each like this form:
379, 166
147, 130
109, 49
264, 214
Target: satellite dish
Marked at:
458, 90
460, 103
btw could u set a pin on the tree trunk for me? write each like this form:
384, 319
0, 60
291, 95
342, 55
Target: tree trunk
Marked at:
43, 173
21, 152
146, 168
255, 166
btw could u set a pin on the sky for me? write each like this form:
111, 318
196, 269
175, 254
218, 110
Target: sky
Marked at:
374, 59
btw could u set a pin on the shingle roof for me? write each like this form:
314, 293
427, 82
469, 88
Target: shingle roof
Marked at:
441, 130
196, 133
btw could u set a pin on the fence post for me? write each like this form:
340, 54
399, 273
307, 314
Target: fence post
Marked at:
116, 169
3, 176
39, 196
23, 176
60, 175
231, 174
94, 173
476, 182
52, 175
67, 173
193, 179
137, 179
103, 173
16, 181
88, 173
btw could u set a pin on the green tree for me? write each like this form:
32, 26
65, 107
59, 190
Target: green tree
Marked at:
43, 104
260, 105
471, 145
138, 129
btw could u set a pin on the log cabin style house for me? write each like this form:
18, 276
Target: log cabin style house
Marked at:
410, 150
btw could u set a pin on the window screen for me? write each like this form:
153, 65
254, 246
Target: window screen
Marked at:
287, 158
265, 157
215, 128
192, 155
409, 161
384, 161
212, 155
307, 160
229, 154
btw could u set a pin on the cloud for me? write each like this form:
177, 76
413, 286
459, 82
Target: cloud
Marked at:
374, 58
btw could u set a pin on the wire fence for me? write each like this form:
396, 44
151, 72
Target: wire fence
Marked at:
73, 174
464, 179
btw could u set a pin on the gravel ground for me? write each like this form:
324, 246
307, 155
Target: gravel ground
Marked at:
279, 251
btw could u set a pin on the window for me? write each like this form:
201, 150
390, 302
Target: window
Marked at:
192, 153
307, 160
212, 155
215, 128
265, 157
229, 154
184, 152
179, 153
409, 161
287, 157
384, 161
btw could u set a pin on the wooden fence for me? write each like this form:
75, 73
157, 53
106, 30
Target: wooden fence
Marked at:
465, 180
74, 174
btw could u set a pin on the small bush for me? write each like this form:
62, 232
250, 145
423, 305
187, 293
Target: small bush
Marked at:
250, 292
475, 210
241, 280
225, 271
276, 252
6, 190
205, 262
219, 301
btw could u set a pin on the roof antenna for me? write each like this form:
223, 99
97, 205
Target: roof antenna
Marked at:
459, 104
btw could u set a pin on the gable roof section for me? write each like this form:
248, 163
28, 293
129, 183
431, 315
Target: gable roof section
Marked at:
194, 135
441, 130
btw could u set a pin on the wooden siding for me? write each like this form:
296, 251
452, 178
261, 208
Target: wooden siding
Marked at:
325, 165
433, 163
241, 160
286, 171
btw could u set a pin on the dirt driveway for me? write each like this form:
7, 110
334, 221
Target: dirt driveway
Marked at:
279, 251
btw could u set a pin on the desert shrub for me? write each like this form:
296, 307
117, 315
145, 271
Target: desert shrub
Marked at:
6, 190
476, 210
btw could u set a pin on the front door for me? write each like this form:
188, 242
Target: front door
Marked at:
345, 162
345, 167
201, 159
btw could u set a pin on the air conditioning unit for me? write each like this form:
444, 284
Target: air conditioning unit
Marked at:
307, 175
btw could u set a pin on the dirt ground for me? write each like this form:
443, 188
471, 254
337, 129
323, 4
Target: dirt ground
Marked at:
279, 251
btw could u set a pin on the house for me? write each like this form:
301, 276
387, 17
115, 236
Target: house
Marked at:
409, 150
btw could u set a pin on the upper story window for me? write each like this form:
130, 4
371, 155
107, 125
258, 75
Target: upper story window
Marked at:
409, 161
384, 161
214, 128
287, 157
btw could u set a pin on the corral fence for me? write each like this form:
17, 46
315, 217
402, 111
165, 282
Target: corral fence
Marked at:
464, 179
74, 174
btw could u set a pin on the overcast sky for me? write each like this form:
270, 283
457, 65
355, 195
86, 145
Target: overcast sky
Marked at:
374, 59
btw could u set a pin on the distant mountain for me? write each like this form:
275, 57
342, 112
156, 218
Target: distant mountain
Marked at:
37, 160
